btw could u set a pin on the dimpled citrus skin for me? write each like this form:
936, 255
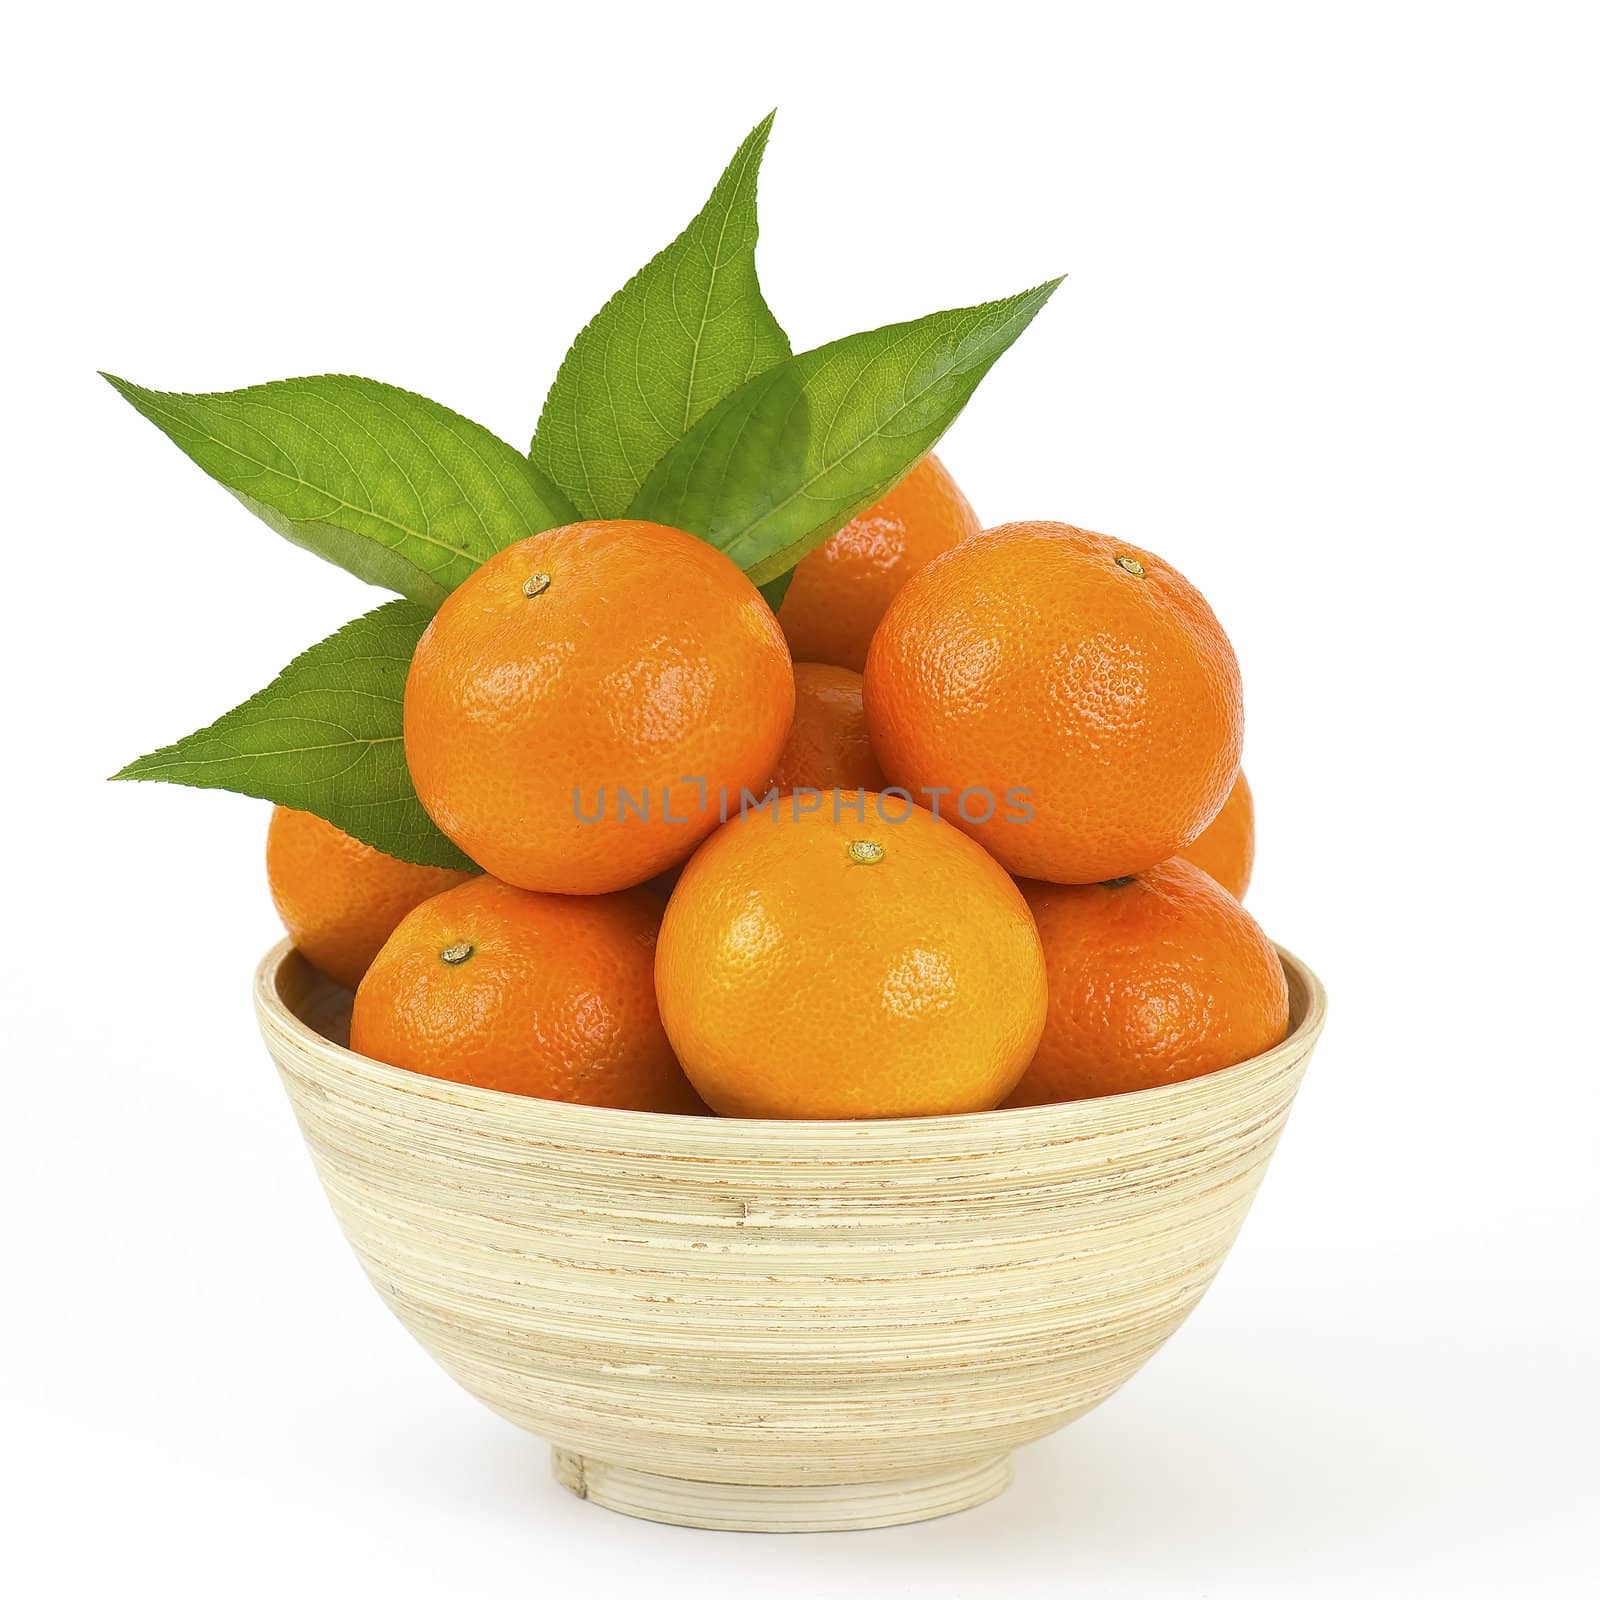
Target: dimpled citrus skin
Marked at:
1151, 981
828, 747
546, 995
840, 591
1028, 658
1227, 849
340, 899
647, 662
798, 981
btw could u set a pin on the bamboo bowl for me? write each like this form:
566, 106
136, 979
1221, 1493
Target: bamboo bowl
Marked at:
780, 1325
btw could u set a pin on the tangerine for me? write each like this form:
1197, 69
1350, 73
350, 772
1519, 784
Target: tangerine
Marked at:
840, 591
856, 960
580, 705
338, 898
536, 994
1227, 849
828, 747
1153, 979
1079, 688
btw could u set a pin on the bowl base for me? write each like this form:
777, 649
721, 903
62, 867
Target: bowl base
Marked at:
781, 1508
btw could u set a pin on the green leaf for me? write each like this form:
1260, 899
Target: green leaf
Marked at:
679, 335
382, 482
325, 736
785, 461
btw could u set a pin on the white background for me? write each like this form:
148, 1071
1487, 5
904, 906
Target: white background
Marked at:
1328, 343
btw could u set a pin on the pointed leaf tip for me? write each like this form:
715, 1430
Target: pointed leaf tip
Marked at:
391, 486
326, 736
690, 326
787, 459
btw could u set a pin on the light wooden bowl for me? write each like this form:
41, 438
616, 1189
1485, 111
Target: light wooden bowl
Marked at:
780, 1325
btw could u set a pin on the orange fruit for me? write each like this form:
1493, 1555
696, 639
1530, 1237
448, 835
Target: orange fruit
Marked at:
578, 707
840, 591
537, 994
1073, 695
340, 899
1227, 849
833, 965
828, 747
1152, 979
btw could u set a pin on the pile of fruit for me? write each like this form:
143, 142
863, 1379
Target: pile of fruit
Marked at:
588, 707
721, 793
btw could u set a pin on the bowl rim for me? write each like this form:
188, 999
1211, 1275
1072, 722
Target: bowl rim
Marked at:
1159, 1101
